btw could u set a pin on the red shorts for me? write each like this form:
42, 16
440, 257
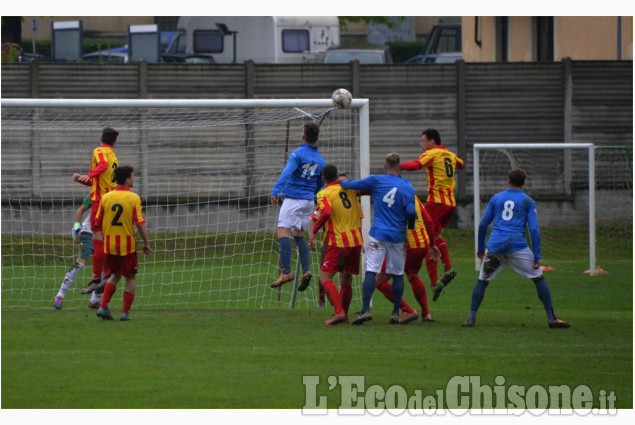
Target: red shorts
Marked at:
126, 265
342, 260
93, 222
440, 215
414, 261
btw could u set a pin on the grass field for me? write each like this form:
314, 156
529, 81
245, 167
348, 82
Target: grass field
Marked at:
256, 358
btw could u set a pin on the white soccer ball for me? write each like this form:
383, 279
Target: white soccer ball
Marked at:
342, 98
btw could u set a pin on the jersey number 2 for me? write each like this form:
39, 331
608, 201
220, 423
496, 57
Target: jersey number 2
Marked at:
118, 210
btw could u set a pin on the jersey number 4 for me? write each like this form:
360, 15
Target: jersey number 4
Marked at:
389, 197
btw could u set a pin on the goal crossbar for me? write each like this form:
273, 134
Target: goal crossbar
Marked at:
590, 147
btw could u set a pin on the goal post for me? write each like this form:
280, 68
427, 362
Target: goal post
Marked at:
204, 170
562, 180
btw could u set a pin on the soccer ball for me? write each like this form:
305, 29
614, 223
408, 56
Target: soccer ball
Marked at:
342, 98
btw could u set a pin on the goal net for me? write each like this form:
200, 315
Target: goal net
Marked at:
583, 195
204, 171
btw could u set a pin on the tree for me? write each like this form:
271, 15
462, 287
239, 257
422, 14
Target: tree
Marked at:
12, 29
389, 21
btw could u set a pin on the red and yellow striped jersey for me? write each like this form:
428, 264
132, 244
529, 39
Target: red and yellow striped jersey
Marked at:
340, 212
119, 211
102, 167
440, 164
419, 236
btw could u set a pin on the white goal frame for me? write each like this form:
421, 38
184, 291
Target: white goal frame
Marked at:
590, 147
362, 105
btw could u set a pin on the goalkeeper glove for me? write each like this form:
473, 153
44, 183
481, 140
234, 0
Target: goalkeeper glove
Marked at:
77, 227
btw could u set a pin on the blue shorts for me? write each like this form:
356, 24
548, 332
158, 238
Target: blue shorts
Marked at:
86, 245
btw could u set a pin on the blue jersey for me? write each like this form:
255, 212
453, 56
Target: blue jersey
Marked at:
510, 211
393, 205
302, 176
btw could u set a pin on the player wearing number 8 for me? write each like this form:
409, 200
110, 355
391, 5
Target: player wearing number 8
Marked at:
119, 211
440, 165
510, 212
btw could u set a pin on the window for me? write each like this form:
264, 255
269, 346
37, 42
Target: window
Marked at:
295, 41
208, 41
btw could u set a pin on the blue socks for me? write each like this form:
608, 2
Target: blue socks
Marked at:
397, 293
477, 298
545, 296
285, 254
368, 287
303, 252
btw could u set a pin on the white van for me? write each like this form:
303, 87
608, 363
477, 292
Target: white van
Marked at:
263, 39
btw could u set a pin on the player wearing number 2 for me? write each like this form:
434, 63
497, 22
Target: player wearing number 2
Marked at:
119, 211
511, 211
393, 213
298, 184
440, 165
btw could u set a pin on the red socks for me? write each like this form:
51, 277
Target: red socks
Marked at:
128, 298
99, 258
346, 296
419, 289
386, 289
334, 297
445, 254
109, 291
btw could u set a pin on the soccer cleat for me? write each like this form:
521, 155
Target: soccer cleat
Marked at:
447, 277
407, 317
467, 324
437, 292
57, 302
282, 279
394, 320
427, 318
124, 317
362, 317
321, 304
557, 323
94, 305
336, 319
104, 314
92, 286
306, 280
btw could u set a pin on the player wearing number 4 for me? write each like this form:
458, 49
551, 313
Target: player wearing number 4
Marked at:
338, 210
439, 164
393, 213
298, 184
119, 211
511, 211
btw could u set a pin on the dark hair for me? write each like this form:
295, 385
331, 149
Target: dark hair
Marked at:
432, 134
329, 172
109, 135
392, 160
342, 174
311, 132
121, 174
517, 177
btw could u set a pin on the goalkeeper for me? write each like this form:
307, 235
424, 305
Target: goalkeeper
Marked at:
85, 251
511, 211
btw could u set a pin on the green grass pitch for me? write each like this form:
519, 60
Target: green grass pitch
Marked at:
214, 358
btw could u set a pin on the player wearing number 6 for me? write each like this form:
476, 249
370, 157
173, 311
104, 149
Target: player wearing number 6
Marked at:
440, 165
393, 213
119, 211
298, 184
511, 211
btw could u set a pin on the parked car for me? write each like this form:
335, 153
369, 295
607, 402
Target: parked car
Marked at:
449, 57
116, 55
364, 56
